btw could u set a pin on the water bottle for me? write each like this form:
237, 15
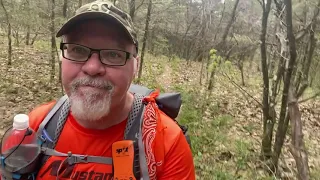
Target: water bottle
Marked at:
19, 144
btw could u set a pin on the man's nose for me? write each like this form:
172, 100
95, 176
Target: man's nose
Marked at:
93, 66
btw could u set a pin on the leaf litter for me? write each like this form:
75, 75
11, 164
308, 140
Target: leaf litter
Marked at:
26, 84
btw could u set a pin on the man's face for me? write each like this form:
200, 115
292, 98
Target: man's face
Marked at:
93, 87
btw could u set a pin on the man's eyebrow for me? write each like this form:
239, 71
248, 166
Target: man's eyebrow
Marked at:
117, 42
120, 44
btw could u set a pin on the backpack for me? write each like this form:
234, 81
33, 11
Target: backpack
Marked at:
169, 103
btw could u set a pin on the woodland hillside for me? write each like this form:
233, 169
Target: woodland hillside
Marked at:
248, 72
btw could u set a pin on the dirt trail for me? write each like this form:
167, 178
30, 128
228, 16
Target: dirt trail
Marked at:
166, 78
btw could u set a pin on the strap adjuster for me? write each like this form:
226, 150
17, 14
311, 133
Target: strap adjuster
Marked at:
74, 159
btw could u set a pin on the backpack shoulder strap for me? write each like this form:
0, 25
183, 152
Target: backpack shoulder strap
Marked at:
51, 127
47, 134
137, 89
133, 132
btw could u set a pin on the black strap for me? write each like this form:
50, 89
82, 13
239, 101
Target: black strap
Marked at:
49, 125
137, 89
55, 111
134, 131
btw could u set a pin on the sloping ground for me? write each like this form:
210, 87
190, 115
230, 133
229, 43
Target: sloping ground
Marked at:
226, 141
26, 83
245, 130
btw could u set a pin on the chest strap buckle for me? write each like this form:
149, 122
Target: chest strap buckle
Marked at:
74, 159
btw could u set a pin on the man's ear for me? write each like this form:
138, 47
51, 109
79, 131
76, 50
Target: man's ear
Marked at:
136, 65
60, 55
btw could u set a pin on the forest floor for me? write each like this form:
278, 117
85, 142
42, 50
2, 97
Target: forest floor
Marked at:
225, 126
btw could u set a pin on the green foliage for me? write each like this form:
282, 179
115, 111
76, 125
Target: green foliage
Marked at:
243, 154
223, 121
212, 52
151, 70
160, 44
222, 175
315, 174
215, 60
42, 45
228, 65
250, 127
189, 114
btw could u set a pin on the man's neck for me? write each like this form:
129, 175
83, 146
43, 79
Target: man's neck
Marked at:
117, 115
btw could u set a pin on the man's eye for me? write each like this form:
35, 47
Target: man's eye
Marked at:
112, 54
79, 50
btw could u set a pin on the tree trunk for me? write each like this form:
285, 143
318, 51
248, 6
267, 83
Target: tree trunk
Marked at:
34, 38
201, 44
211, 80
64, 9
241, 71
16, 36
152, 45
272, 55
221, 46
283, 122
226, 32
28, 26
28, 35
303, 76
145, 37
53, 41
201, 72
79, 3
208, 65
311, 46
8, 34
218, 26
267, 120
297, 148
315, 72
300, 74
132, 8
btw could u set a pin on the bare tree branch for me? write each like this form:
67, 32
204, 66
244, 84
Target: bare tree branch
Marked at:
261, 2
243, 90
304, 31
283, 120
139, 5
309, 98
272, 44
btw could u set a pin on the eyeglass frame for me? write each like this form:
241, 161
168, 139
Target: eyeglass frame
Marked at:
92, 50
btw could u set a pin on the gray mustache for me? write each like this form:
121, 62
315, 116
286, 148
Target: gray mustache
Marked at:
98, 83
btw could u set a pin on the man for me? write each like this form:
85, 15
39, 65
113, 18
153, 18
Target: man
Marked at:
99, 60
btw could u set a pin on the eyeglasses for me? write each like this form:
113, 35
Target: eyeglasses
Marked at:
80, 53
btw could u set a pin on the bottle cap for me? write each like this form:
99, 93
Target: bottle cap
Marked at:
21, 121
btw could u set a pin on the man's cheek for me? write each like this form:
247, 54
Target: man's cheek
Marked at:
66, 81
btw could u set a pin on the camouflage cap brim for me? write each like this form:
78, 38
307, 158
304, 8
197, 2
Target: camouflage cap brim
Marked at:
93, 15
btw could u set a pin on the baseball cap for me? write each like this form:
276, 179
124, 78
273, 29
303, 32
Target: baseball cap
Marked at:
101, 9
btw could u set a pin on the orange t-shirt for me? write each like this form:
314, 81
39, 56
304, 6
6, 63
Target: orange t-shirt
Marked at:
175, 162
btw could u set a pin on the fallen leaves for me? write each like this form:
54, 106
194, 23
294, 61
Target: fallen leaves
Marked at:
230, 130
